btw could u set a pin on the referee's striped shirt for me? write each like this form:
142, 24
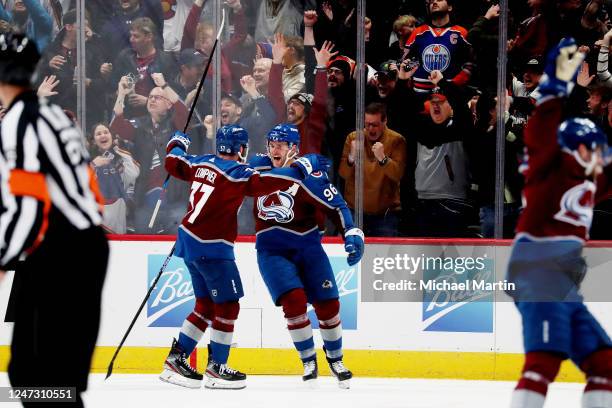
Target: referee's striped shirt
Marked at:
44, 165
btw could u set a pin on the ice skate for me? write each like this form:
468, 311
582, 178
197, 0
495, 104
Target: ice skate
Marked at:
311, 372
178, 371
223, 377
342, 374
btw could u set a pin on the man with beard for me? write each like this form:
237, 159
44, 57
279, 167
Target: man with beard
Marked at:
341, 120
304, 110
29, 17
439, 46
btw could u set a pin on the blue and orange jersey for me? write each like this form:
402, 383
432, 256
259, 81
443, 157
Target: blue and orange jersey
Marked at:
444, 49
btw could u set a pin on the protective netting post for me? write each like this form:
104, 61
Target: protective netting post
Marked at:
501, 120
360, 76
216, 65
80, 70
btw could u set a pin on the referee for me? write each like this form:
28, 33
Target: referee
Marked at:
50, 234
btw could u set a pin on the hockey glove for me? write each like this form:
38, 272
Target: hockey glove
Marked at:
561, 70
180, 140
311, 163
353, 244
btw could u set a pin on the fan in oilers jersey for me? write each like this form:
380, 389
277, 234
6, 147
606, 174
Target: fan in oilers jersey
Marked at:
205, 241
564, 177
290, 256
439, 46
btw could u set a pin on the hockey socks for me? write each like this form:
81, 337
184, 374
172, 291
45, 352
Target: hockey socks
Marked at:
598, 370
223, 330
298, 324
328, 313
195, 324
540, 369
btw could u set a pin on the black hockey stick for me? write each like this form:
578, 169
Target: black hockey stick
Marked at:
163, 267
161, 270
193, 104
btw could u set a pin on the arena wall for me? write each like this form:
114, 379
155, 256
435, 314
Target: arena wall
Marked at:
386, 333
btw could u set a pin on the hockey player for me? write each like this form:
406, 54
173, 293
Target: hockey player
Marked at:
290, 256
564, 177
205, 241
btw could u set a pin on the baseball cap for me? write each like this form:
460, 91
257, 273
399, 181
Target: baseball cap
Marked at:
231, 97
304, 98
189, 56
534, 64
386, 71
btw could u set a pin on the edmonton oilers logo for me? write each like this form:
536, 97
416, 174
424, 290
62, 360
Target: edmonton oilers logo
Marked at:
277, 206
436, 57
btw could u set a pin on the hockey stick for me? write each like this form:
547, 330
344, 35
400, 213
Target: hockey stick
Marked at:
163, 267
161, 270
193, 104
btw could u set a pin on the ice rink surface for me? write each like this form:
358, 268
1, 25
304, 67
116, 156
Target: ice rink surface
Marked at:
147, 391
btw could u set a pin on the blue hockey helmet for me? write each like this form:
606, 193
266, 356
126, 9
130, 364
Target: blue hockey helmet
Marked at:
285, 132
576, 131
230, 138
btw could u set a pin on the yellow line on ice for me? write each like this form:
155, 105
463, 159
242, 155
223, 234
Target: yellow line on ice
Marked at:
363, 363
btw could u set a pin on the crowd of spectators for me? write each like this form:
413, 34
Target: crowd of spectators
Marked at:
430, 96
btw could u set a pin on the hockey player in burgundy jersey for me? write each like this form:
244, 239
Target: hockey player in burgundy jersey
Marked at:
290, 256
564, 177
205, 241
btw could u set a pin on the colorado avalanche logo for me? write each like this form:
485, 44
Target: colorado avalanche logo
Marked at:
577, 205
277, 206
436, 57
169, 8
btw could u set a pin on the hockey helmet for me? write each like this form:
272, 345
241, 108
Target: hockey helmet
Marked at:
285, 132
576, 131
230, 138
18, 58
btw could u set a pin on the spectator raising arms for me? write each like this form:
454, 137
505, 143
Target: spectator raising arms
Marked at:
149, 134
141, 60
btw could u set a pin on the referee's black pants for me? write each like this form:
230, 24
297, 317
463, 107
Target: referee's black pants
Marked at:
57, 310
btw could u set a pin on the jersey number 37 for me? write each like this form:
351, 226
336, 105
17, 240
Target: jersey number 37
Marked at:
196, 200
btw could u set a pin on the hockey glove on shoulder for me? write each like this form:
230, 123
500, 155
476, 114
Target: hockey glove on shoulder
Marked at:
180, 140
311, 163
354, 245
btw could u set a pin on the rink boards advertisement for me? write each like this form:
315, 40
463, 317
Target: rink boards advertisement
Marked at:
404, 304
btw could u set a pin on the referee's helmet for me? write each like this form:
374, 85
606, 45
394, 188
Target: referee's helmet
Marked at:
18, 58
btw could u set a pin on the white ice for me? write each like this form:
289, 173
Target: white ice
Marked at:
147, 391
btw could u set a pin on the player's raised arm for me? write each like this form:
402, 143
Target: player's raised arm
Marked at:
555, 85
177, 162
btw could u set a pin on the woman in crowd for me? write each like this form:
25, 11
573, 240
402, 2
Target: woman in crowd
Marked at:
116, 171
